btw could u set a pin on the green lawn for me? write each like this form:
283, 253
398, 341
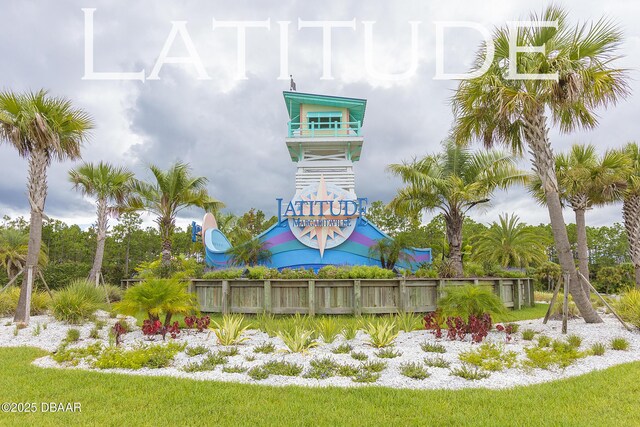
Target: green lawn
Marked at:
603, 398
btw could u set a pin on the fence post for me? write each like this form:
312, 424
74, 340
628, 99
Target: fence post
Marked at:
499, 292
532, 298
357, 298
267, 296
516, 295
312, 297
440, 288
402, 303
225, 297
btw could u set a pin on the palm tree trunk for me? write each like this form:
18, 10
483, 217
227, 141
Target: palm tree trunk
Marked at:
37, 190
100, 238
583, 248
631, 217
166, 228
453, 221
536, 135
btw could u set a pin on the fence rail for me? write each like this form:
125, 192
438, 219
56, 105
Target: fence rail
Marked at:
342, 296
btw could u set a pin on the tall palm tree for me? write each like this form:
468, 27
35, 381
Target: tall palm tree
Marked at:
454, 182
499, 108
172, 191
585, 180
42, 128
110, 186
631, 206
510, 243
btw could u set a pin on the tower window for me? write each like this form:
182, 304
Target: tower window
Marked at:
324, 120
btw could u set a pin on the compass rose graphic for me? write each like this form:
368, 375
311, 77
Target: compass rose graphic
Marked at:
324, 223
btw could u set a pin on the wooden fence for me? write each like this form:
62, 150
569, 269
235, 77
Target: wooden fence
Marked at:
344, 296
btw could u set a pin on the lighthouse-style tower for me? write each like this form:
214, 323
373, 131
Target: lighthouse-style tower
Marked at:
324, 138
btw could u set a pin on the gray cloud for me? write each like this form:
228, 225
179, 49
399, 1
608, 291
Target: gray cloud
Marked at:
232, 131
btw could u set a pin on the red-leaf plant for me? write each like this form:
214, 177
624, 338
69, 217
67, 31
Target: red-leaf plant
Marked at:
456, 328
151, 328
200, 324
508, 330
118, 330
432, 323
479, 327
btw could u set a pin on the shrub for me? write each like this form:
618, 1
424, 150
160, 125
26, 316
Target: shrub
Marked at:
598, 349
298, 340
468, 300
559, 353
258, 373
328, 329
153, 356
349, 331
230, 331
73, 335
381, 333
544, 341
469, 373
528, 334
235, 369
208, 364
436, 362
229, 351
388, 353
265, 348
151, 328
363, 376
249, 358
489, 357
359, 356
372, 366
199, 323
408, 321
114, 292
428, 347
628, 307
342, 349
281, 367
414, 370
224, 274
620, 344
157, 297
40, 302
322, 368
347, 370
196, 350
77, 302
574, 340
74, 355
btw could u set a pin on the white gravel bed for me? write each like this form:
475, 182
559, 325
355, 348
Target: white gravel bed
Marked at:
408, 344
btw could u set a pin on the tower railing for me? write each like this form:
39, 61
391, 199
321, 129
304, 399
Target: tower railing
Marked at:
316, 129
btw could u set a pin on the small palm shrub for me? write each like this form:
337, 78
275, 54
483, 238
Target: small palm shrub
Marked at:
298, 340
230, 330
629, 307
381, 333
408, 322
470, 300
414, 370
157, 297
77, 302
620, 344
328, 329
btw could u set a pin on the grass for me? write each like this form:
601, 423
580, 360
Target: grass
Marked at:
607, 397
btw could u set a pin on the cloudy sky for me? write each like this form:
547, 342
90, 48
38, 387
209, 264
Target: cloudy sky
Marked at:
232, 130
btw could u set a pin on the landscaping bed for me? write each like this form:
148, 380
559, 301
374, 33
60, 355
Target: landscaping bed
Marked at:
497, 362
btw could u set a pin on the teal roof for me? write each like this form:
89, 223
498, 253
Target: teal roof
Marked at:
356, 106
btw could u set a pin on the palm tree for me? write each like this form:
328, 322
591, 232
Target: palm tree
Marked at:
585, 180
173, 190
631, 206
454, 182
497, 108
110, 186
391, 251
250, 253
510, 244
42, 129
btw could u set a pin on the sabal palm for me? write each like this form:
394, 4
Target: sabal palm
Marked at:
509, 243
454, 182
250, 253
110, 186
14, 245
172, 191
514, 111
631, 206
42, 129
585, 180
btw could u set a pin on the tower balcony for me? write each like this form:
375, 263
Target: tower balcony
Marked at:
324, 128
